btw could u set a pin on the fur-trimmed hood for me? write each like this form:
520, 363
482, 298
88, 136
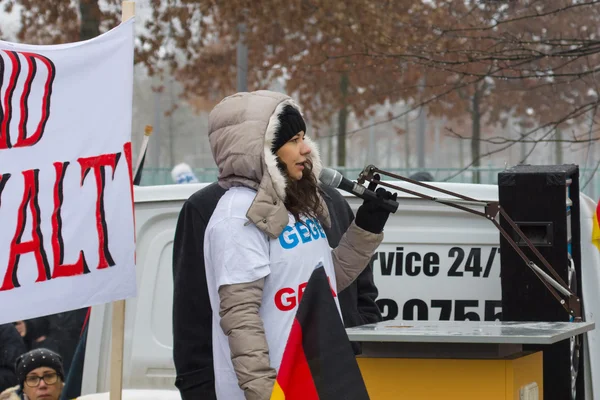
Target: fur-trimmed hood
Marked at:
11, 394
241, 131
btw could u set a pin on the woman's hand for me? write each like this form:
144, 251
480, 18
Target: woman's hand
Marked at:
371, 215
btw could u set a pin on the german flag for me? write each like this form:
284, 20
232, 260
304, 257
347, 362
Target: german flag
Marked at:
318, 362
596, 227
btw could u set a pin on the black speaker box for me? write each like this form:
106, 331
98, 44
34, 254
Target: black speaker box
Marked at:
544, 203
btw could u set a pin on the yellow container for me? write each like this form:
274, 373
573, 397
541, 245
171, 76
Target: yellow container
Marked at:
451, 379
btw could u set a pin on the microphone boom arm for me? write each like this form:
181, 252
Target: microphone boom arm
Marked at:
555, 284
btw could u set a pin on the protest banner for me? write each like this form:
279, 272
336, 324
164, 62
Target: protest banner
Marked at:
67, 236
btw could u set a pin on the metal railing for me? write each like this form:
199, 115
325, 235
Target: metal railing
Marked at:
488, 175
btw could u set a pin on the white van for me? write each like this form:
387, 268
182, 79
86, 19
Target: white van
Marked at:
436, 263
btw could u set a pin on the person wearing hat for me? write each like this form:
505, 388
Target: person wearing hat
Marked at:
192, 313
40, 374
266, 236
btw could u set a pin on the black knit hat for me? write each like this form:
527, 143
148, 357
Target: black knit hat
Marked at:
290, 123
38, 358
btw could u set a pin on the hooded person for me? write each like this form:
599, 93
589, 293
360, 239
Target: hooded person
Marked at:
265, 238
40, 374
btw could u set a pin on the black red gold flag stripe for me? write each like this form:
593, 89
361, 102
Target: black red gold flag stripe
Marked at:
318, 362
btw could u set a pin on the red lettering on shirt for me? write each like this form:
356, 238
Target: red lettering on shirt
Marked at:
286, 299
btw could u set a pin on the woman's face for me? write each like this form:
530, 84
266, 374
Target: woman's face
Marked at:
293, 154
43, 384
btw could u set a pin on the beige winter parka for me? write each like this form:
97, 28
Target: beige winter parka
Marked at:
241, 131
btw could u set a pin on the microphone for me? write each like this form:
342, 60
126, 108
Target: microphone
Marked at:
333, 178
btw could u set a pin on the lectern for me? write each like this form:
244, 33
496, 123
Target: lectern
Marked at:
444, 360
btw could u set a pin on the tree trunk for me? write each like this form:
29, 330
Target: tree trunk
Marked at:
390, 162
476, 134
558, 149
242, 60
372, 151
342, 122
421, 129
406, 143
522, 131
170, 123
437, 153
461, 153
154, 147
90, 19
330, 142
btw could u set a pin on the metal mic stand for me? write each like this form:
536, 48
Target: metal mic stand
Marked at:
555, 284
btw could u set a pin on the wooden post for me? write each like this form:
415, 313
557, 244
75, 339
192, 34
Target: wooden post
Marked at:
118, 310
128, 10
116, 350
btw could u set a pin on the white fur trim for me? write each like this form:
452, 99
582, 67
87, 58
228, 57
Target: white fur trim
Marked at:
315, 156
279, 181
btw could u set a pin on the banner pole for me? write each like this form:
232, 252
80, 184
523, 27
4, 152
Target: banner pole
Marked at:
118, 307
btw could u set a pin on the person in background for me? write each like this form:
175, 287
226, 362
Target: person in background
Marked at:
422, 176
57, 332
74, 379
64, 331
36, 333
21, 328
11, 347
40, 376
187, 255
182, 173
192, 315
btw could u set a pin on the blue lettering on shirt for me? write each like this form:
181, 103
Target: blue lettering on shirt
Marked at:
323, 235
288, 238
313, 228
301, 233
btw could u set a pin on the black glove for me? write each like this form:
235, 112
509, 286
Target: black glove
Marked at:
371, 216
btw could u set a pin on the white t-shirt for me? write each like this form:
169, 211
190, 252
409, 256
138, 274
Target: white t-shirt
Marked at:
237, 252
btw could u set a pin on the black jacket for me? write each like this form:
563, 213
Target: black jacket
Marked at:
11, 347
64, 329
37, 328
192, 314
357, 301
